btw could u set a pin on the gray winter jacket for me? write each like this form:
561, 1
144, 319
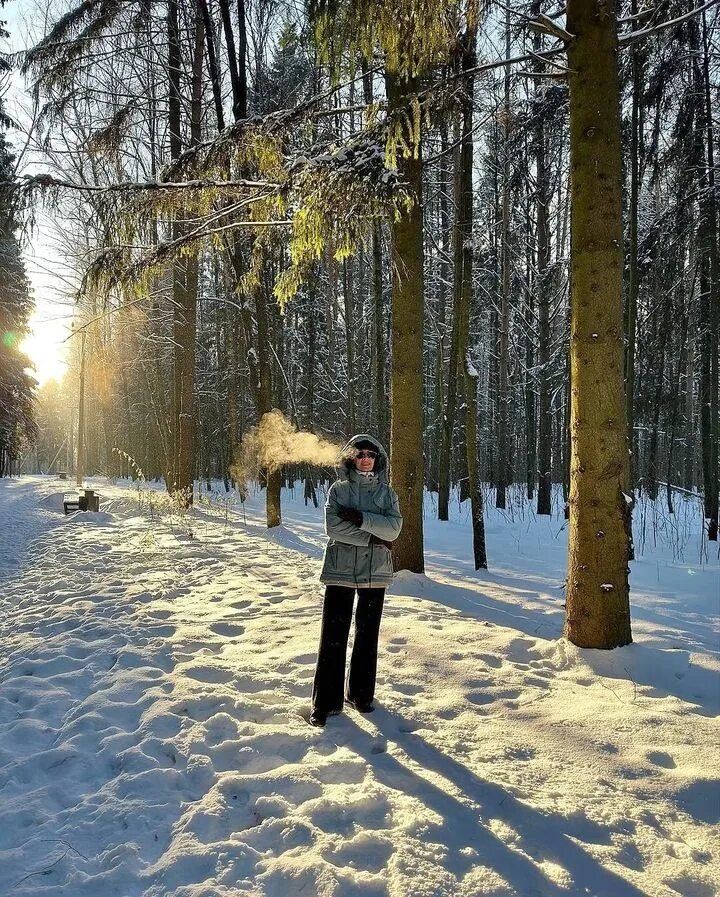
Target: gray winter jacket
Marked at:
351, 559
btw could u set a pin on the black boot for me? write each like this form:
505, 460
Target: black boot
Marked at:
360, 706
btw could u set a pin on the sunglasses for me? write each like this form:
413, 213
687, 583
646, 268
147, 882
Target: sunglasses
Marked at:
366, 453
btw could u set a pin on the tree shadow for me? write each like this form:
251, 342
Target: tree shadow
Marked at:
536, 836
661, 670
281, 535
536, 621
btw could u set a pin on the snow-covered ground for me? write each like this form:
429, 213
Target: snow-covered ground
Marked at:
155, 676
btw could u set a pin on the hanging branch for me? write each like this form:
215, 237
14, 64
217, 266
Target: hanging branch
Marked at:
29, 183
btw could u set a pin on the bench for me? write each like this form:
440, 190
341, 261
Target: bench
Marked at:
71, 503
86, 502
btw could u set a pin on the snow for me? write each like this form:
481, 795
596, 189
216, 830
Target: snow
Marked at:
155, 681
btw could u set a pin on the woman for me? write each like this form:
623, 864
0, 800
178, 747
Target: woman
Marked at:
362, 519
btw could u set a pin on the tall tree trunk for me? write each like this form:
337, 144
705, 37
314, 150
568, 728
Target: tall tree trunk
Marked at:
80, 465
265, 403
530, 411
710, 316
598, 606
406, 427
463, 271
310, 323
544, 445
185, 271
241, 101
450, 410
503, 422
381, 398
258, 354
236, 59
213, 63
689, 427
349, 315
632, 290
445, 406
178, 271
659, 372
378, 314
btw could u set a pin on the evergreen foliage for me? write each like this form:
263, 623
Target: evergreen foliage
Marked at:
17, 423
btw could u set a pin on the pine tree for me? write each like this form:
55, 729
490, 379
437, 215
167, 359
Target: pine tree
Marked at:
598, 607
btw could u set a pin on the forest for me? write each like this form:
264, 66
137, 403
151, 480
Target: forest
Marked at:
487, 233
368, 544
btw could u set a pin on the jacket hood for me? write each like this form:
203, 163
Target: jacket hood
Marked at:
382, 462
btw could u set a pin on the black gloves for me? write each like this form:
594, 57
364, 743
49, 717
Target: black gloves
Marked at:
352, 515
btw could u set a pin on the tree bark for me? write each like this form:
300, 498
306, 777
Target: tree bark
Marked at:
597, 602
503, 423
185, 270
544, 445
349, 315
632, 290
463, 290
710, 315
406, 428
378, 306
450, 410
213, 63
445, 409
80, 465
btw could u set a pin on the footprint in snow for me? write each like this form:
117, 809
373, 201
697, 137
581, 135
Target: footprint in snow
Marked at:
227, 629
159, 614
407, 689
489, 660
209, 674
660, 758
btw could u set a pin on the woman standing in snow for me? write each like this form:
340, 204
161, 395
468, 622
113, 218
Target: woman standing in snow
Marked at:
362, 519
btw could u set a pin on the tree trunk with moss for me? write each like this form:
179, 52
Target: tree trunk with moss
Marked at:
406, 426
598, 607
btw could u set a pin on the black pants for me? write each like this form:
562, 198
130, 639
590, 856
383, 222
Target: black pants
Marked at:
328, 692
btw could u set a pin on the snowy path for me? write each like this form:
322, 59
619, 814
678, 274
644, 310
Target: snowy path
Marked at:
153, 686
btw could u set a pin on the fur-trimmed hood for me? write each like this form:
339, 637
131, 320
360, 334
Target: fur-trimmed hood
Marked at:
381, 470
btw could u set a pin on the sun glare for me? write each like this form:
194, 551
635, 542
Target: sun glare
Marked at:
46, 350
